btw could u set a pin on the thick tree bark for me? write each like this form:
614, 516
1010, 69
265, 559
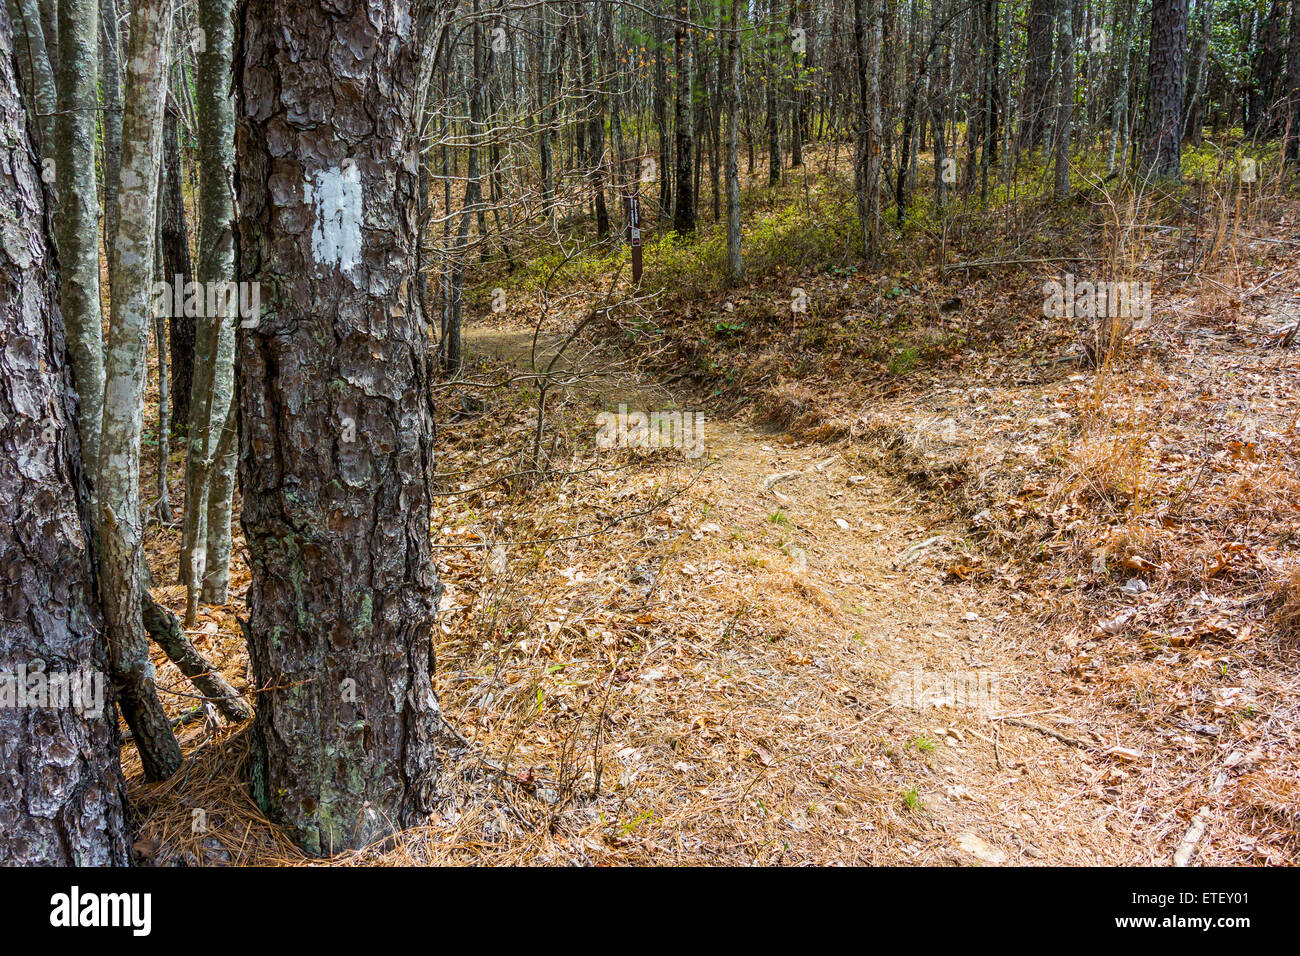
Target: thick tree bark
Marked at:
61, 789
1162, 139
118, 521
77, 220
336, 438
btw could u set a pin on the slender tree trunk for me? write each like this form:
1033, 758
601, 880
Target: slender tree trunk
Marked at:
77, 220
61, 788
215, 114
118, 519
174, 239
1198, 58
698, 103
866, 41
715, 80
110, 82
336, 436
452, 356
1292, 111
163, 505
550, 113
1064, 97
221, 492
36, 70
735, 265
661, 124
595, 125
940, 157
684, 210
614, 101
773, 108
1120, 109
166, 631
796, 94
1266, 74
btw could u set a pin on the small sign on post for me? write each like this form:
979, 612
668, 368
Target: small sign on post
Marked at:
634, 231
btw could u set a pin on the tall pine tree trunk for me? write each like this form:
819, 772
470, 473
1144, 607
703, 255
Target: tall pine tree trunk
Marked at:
61, 790
336, 437
1162, 138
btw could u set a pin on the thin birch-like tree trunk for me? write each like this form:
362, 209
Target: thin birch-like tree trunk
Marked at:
35, 69
110, 82
119, 523
209, 473
77, 218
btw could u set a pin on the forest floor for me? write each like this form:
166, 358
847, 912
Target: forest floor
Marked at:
658, 658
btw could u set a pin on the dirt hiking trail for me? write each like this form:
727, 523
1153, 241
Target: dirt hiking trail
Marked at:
813, 607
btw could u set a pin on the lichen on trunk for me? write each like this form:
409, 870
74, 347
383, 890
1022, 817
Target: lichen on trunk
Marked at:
61, 790
336, 437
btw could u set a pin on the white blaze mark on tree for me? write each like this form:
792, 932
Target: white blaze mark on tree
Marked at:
336, 195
